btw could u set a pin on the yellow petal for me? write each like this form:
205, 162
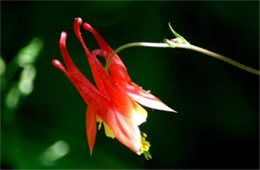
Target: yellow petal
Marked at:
108, 131
139, 114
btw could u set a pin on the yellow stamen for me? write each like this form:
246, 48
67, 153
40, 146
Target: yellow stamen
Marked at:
145, 147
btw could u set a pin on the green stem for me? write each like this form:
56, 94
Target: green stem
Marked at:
134, 44
182, 43
214, 55
225, 59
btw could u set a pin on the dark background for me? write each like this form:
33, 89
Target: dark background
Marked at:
217, 125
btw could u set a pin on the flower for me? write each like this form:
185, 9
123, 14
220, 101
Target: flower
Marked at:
113, 102
120, 75
108, 104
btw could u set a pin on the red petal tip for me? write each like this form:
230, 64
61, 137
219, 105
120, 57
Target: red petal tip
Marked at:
78, 20
87, 26
63, 38
58, 64
63, 35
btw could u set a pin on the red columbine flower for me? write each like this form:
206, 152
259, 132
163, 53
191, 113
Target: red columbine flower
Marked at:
109, 103
120, 75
